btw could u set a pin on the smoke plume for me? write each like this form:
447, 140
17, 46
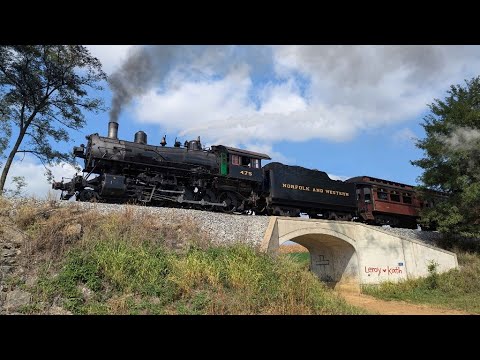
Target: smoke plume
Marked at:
463, 138
146, 67
143, 67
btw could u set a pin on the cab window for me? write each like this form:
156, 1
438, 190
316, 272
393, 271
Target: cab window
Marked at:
245, 161
235, 160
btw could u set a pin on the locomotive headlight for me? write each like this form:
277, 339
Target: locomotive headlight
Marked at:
78, 151
195, 190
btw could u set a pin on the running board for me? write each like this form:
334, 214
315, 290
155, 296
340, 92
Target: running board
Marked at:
181, 200
202, 202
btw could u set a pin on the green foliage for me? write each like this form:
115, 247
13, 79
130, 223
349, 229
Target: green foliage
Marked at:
43, 93
452, 160
432, 278
458, 289
302, 258
19, 186
459, 244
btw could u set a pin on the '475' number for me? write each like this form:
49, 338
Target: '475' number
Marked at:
244, 172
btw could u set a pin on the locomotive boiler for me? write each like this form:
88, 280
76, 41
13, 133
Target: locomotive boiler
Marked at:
220, 178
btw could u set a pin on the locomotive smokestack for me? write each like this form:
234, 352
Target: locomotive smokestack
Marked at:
113, 130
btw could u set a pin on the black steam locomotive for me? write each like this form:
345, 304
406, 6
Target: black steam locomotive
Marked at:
220, 178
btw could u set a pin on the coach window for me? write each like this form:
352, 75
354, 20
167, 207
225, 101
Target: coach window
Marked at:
367, 194
235, 160
382, 194
255, 163
394, 196
407, 198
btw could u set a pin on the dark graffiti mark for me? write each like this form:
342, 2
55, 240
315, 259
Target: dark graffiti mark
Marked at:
322, 261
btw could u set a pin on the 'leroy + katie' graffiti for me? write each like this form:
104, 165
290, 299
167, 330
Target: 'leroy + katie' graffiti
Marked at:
385, 270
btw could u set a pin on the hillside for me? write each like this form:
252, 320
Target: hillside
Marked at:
73, 259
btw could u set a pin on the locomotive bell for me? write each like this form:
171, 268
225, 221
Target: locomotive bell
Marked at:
140, 138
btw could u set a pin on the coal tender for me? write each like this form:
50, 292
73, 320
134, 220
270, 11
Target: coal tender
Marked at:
292, 190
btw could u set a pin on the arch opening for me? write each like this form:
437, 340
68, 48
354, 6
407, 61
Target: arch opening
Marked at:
296, 252
332, 259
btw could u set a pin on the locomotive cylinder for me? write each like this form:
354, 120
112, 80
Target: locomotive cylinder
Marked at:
140, 138
113, 130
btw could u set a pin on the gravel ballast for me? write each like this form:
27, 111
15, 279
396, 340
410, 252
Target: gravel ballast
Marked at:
226, 228
429, 237
222, 228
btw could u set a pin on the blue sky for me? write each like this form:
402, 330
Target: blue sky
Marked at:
346, 110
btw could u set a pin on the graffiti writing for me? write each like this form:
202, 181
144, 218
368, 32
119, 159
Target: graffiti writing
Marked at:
384, 270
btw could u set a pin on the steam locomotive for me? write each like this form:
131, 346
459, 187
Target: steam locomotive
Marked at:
228, 179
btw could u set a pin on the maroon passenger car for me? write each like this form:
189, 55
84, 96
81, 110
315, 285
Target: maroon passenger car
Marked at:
384, 202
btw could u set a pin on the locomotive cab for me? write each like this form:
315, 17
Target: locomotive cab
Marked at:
240, 164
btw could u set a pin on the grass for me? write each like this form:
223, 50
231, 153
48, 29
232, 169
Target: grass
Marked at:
456, 289
297, 253
302, 258
151, 279
131, 279
127, 263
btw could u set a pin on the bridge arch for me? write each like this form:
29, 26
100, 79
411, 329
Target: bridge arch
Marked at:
347, 253
333, 255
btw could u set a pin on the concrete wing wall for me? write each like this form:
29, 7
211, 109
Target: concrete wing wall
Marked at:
419, 256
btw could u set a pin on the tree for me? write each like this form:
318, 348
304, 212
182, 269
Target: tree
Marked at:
43, 91
452, 160
20, 184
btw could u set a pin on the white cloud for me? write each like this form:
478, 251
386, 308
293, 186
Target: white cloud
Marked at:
268, 150
34, 173
346, 90
403, 136
111, 56
283, 98
338, 177
191, 105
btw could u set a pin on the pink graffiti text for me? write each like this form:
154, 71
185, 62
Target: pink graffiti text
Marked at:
384, 270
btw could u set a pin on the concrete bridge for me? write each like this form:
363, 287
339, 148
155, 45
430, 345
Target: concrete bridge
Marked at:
347, 254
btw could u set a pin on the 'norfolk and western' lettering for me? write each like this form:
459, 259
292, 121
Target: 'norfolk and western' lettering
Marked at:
314, 189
